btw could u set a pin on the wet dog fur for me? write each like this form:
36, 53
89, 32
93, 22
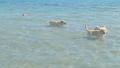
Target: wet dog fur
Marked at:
98, 33
99, 28
57, 23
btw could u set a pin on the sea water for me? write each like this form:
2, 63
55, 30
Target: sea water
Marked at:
29, 42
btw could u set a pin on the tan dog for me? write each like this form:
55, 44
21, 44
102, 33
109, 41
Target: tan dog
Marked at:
98, 33
57, 23
99, 28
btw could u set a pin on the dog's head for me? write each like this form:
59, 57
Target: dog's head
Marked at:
63, 22
102, 31
25, 14
99, 28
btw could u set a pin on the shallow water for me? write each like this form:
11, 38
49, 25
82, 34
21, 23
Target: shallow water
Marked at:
29, 42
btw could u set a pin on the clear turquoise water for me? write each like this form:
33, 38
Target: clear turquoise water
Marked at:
29, 42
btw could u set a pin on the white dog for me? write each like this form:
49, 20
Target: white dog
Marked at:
99, 28
98, 33
57, 23
24, 14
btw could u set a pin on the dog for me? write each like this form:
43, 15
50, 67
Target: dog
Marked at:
24, 14
57, 23
99, 28
98, 33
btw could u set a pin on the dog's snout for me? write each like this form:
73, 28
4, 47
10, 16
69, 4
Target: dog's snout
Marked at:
103, 32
